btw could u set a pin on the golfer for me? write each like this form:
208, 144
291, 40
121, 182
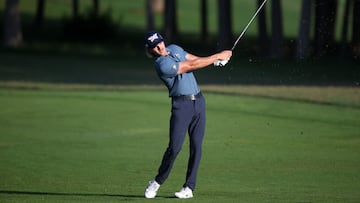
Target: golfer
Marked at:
175, 67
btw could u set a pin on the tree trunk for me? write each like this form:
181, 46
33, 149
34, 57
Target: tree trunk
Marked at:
303, 42
344, 30
277, 37
263, 38
149, 15
204, 20
325, 27
170, 20
39, 16
224, 21
96, 9
75, 6
157, 6
356, 30
12, 25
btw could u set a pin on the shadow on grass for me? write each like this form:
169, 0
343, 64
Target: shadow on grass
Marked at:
15, 192
138, 70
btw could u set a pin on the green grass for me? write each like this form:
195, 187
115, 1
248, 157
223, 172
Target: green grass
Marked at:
91, 128
63, 145
89, 124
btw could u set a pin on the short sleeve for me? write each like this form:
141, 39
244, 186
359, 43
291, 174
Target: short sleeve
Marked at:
167, 67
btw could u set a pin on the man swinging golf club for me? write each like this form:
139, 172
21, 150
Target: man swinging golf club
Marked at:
175, 67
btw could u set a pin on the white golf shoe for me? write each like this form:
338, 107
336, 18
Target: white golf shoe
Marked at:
184, 193
151, 189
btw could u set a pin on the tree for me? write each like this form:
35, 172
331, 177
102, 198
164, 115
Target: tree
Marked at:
152, 7
325, 15
224, 22
158, 6
303, 41
277, 37
75, 6
39, 16
263, 38
96, 9
170, 20
356, 30
12, 25
345, 28
149, 15
204, 22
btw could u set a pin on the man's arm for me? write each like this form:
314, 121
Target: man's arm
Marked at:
195, 62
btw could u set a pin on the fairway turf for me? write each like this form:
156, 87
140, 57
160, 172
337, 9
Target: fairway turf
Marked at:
104, 146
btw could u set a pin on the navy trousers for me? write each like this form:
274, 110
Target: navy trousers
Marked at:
187, 116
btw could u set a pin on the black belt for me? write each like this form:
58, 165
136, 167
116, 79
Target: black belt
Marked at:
188, 97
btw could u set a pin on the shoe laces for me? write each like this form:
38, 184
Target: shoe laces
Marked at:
152, 185
186, 190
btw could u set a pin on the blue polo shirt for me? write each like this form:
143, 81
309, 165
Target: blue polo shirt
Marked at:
167, 68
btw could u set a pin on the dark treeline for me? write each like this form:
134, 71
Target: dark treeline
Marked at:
317, 16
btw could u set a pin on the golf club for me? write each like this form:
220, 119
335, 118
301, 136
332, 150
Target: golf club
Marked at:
223, 62
247, 26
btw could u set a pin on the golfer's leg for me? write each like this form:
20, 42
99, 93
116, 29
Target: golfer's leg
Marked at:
196, 132
179, 122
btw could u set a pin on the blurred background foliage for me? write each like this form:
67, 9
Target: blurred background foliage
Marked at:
118, 26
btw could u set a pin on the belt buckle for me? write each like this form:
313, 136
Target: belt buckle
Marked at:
192, 97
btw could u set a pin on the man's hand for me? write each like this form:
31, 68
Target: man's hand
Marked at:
223, 58
220, 63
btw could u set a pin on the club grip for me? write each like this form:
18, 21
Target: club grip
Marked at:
220, 63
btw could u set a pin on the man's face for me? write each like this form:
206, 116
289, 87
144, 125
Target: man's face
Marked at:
160, 49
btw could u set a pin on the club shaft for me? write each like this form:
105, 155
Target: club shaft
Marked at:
247, 26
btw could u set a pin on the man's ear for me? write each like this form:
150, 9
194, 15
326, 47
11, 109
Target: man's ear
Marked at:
148, 52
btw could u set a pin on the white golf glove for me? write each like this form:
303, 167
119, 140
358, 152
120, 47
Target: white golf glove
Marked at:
220, 63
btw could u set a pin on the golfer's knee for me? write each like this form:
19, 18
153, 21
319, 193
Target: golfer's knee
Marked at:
173, 151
